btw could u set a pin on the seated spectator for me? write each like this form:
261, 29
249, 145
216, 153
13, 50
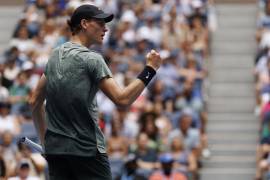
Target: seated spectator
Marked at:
32, 20
13, 54
142, 46
22, 40
192, 71
198, 10
117, 149
41, 50
199, 36
191, 136
117, 144
262, 81
31, 74
174, 32
128, 21
11, 71
167, 171
263, 27
149, 31
27, 125
36, 162
130, 169
24, 172
130, 125
157, 91
184, 161
148, 126
50, 33
164, 128
169, 76
190, 97
8, 121
19, 93
8, 151
146, 157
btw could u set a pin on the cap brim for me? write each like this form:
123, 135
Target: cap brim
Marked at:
106, 17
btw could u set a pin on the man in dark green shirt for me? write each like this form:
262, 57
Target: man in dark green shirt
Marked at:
74, 144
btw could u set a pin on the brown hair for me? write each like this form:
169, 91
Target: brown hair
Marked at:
74, 28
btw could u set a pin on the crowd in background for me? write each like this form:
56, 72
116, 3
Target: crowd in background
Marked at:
164, 132
261, 71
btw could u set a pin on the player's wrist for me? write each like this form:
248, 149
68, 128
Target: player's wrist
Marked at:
147, 74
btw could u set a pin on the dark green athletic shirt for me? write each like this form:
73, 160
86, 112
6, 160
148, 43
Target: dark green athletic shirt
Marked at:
73, 73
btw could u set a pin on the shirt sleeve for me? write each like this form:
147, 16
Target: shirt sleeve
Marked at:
97, 67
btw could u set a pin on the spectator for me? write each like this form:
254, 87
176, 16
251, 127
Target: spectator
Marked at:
146, 157
148, 126
117, 144
168, 74
199, 36
191, 136
184, 160
19, 93
149, 31
24, 172
190, 97
8, 151
174, 33
35, 161
117, 149
9, 122
27, 125
10, 72
22, 41
130, 169
263, 26
32, 77
167, 171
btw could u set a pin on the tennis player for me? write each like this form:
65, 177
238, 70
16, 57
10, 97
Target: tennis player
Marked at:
73, 142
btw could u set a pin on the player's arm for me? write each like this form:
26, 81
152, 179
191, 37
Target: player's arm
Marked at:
121, 97
127, 95
38, 110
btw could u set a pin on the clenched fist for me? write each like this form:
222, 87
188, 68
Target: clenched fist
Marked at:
153, 59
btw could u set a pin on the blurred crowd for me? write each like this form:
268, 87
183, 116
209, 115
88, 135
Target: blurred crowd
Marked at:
261, 71
163, 134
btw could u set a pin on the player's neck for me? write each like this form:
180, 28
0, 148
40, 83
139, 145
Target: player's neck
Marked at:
82, 40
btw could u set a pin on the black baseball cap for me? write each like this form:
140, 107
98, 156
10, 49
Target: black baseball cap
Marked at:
88, 11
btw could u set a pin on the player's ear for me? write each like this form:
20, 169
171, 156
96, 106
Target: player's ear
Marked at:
84, 24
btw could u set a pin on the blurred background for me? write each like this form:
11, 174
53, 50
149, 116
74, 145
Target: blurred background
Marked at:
206, 115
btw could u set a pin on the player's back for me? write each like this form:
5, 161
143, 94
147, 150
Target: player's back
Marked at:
71, 107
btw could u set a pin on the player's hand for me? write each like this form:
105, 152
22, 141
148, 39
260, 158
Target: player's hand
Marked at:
153, 59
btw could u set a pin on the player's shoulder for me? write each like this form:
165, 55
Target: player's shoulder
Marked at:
71, 47
94, 54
